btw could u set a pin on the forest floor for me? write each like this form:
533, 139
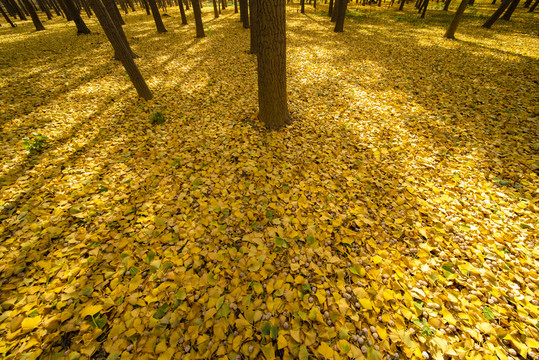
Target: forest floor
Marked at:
397, 216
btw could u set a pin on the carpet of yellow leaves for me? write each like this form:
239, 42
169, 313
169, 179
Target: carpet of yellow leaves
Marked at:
396, 217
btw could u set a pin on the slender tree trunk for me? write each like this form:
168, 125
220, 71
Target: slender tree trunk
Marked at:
244, 13
77, 19
186, 3
341, 8
425, 5
86, 8
330, 8
198, 18
532, 8
224, 4
527, 3
450, 33
510, 10
35, 19
272, 97
235, 6
335, 14
182, 12
446, 5
493, 2
44, 9
131, 5
255, 36
215, 10
66, 12
401, 6
121, 49
55, 6
156, 17
491, 20
302, 4
146, 7
7, 17
22, 6
123, 6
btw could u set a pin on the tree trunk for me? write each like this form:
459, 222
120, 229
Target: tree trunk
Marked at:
112, 10
146, 7
121, 49
532, 8
235, 6
77, 19
335, 14
7, 17
198, 18
66, 12
86, 8
446, 5
450, 33
255, 36
341, 10
330, 9
244, 13
425, 5
182, 12
156, 17
114, 13
510, 10
302, 4
491, 20
215, 10
272, 97
35, 19
45, 9
401, 6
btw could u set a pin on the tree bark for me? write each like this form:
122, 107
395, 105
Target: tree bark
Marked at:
341, 14
425, 5
7, 17
510, 10
156, 17
235, 6
491, 20
272, 96
215, 10
450, 33
446, 5
35, 19
121, 49
401, 6
198, 18
532, 8
114, 13
45, 9
330, 8
182, 12
77, 19
255, 36
302, 4
244, 13
146, 7
335, 14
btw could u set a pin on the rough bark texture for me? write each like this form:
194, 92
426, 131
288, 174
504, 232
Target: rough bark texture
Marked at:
77, 19
182, 12
491, 20
7, 17
156, 17
450, 33
510, 10
121, 49
255, 36
272, 97
35, 19
341, 14
198, 18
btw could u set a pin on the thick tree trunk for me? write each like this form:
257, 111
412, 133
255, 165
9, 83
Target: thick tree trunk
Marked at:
302, 4
35, 19
244, 13
450, 33
272, 97
446, 5
330, 8
121, 49
77, 19
425, 5
7, 17
156, 17
341, 10
114, 13
532, 8
255, 36
491, 20
198, 18
215, 10
182, 12
510, 10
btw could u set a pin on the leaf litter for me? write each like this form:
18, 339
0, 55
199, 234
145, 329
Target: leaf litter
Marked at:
396, 217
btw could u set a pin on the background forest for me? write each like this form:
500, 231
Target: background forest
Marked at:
394, 217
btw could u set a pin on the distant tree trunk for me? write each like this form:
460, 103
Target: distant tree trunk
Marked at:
446, 5
146, 7
35, 19
450, 33
335, 14
86, 8
131, 5
510, 10
182, 12
255, 36
272, 97
22, 6
493, 2
532, 8
244, 13
302, 4
425, 5
7, 17
156, 17
121, 49
186, 2
198, 18
491, 20
215, 10
341, 9
66, 12
17, 9
45, 9
77, 19
527, 3
235, 6
401, 6
330, 9
314, 4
